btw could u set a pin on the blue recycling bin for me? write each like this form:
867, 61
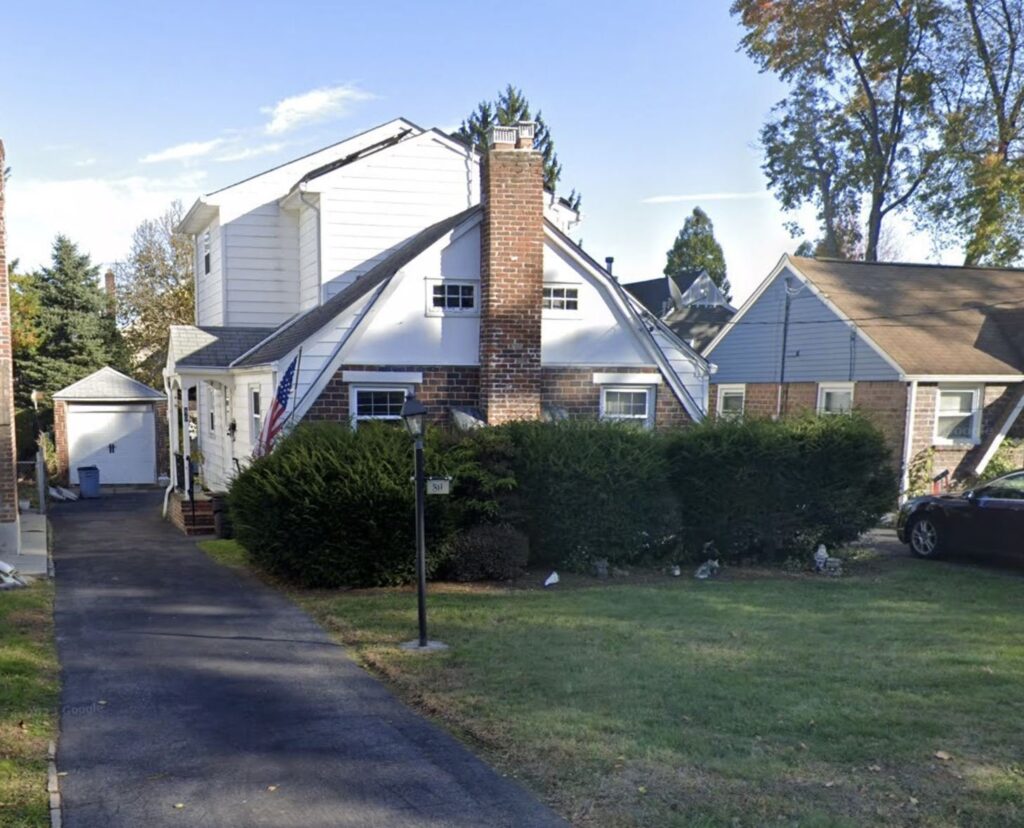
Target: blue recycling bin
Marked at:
89, 481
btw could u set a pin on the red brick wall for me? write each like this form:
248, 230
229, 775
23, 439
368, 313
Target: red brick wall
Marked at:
163, 459
60, 438
574, 390
445, 386
511, 284
8, 455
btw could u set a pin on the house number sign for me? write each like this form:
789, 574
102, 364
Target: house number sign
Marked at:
439, 485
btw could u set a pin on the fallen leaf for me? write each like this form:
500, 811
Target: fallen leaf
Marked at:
913, 800
803, 746
22, 725
829, 784
642, 789
941, 754
179, 805
102, 701
875, 768
271, 787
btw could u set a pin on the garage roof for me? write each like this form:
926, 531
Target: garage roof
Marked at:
108, 384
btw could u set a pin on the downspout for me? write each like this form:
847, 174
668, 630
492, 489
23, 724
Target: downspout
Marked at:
171, 443
319, 271
908, 440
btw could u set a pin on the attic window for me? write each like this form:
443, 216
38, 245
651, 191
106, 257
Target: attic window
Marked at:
561, 299
450, 297
206, 252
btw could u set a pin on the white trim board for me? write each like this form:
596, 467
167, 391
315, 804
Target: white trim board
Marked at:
649, 378
997, 441
397, 377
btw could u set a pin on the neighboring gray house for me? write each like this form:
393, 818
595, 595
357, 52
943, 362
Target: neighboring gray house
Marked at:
934, 354
689, 303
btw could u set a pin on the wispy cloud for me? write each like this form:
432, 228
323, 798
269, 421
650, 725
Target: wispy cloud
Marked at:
85, 162
243, 153
183, 152
675, 199
315, 105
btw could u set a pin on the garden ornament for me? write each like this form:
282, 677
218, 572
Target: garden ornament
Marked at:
820, 558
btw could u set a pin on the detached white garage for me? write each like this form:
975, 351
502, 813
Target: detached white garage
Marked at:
110, 421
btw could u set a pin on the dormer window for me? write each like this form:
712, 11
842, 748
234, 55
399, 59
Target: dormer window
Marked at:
206, 252
450, 297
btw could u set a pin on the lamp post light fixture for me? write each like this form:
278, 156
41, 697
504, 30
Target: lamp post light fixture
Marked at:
414, 415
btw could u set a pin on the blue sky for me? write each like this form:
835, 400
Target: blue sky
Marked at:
110, 110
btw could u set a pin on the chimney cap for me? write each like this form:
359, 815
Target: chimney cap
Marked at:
518, 135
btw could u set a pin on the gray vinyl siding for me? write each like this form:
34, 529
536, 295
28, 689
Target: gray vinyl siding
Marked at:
819, 346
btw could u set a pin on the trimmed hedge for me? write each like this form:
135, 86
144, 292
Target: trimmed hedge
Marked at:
768, 488
591, 489
334, 507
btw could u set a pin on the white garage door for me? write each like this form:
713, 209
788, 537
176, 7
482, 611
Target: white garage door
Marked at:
119, 439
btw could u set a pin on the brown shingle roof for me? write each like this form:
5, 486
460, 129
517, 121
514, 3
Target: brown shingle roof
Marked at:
931, 319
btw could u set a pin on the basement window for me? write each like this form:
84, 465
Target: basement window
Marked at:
561, 298
628, 404
731, 401
836, 398
451, 298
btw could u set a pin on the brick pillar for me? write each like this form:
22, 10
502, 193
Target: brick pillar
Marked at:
60, 439
10, 537
511, 276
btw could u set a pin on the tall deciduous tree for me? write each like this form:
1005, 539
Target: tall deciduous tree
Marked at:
77, 333
25, 332
977, 199
510, 107
870, 58
696, 248
155, 291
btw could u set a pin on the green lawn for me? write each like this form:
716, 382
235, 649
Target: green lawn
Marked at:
28, 703
757, 699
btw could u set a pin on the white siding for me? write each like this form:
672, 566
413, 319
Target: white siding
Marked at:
309, 254
213, 443
596, 335
245, 440
209, 286
369, 207
262, 248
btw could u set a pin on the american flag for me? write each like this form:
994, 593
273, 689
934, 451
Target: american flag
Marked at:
277, 414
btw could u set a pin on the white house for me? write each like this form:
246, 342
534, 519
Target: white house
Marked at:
380, 263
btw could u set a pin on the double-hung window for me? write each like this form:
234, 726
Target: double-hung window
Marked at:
835, 398
731, 401
206, 252
628, 404
255, 414
211, 405
450, 297
957, 416
376, 403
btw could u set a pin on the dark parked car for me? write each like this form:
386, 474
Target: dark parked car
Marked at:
989, 518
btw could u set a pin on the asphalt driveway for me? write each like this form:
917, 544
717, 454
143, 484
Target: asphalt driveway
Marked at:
195, 696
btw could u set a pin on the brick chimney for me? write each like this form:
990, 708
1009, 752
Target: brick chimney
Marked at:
511, 275
10, 538
110, 286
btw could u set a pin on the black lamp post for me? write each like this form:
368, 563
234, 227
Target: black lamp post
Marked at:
414, 414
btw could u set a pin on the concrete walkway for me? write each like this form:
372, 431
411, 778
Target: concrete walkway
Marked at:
187, 684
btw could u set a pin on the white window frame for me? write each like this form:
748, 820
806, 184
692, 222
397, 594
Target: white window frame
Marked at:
206, 252
647, 419
432, 311
255, 418
832, 387
723, 390
211, 405
977, 405
560, 313
353, 401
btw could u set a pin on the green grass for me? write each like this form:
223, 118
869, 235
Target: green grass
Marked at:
757, 699
227, 552
28, 703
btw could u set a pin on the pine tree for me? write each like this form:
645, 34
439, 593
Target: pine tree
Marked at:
77, 332
510, 107
695, 248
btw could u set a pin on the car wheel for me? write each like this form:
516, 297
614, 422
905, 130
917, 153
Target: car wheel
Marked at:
925, 537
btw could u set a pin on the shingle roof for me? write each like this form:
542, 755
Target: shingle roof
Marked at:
212, 347
699, 323
654, 294
108, 384
290, 335
931, 319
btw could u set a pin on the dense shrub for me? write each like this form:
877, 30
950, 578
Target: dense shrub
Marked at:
489, 552
334, 507
590, 490
769, 488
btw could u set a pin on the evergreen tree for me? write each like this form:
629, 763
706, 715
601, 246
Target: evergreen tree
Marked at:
510, 107
695, 248
77, 332
25, 334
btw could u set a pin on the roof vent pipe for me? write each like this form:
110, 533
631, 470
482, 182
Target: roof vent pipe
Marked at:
608, 262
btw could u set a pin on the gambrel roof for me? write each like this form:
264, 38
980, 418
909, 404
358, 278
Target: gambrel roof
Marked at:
108, 384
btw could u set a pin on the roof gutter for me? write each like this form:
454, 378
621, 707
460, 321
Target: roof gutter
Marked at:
908, 441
